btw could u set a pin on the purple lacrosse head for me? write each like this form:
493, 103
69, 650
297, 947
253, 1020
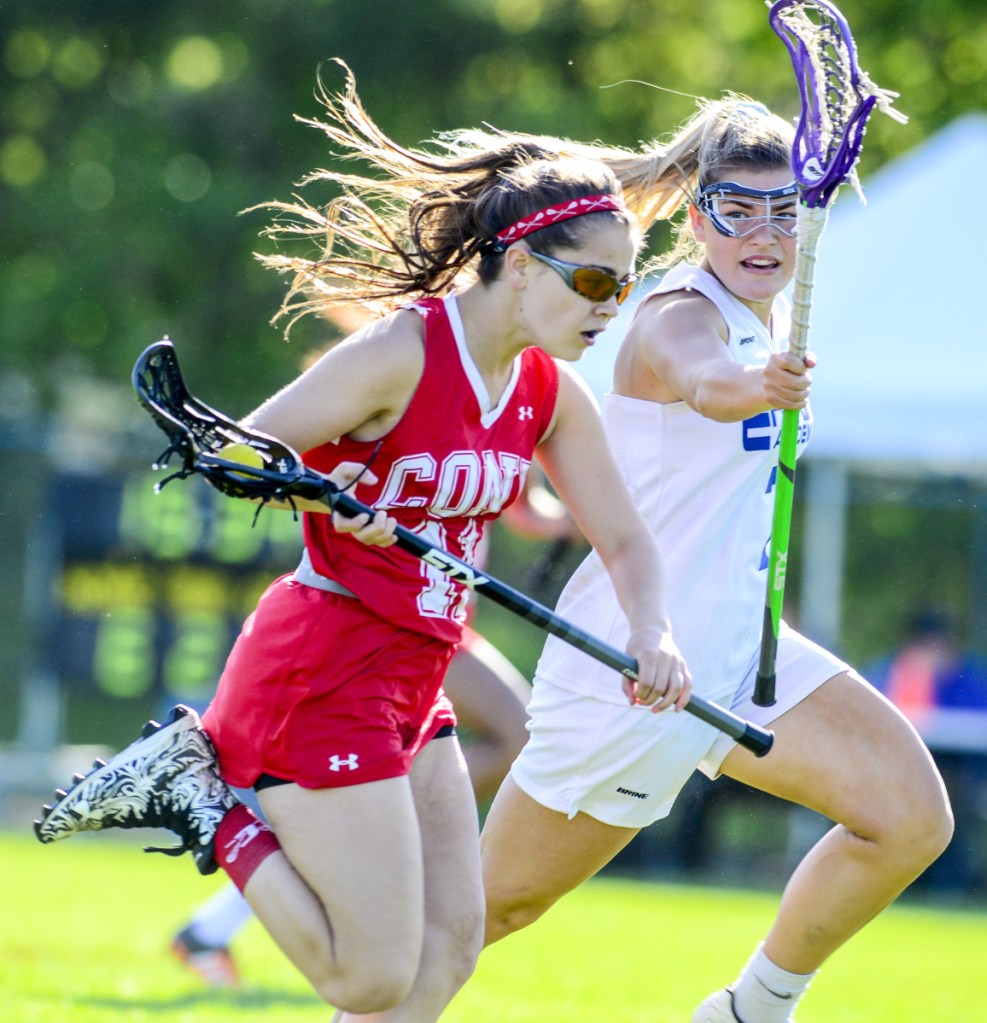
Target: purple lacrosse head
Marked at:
835, 102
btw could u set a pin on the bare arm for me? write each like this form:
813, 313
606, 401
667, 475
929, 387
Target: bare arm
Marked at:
680, 352
578, 462
538, 514
361, 388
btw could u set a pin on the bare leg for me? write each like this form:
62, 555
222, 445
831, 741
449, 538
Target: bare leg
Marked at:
521, 887
849, 754
344, 898
453, 886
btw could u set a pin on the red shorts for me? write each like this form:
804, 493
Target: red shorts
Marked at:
319, 691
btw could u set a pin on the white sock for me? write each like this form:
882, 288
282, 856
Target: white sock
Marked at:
765, 993
218, 919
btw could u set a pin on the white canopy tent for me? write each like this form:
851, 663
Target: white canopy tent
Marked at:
899, 331
901, 339
900, 335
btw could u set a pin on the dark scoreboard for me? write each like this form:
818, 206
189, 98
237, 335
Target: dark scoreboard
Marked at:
151, 589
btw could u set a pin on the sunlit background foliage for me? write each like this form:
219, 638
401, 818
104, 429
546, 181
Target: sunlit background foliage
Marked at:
133, 134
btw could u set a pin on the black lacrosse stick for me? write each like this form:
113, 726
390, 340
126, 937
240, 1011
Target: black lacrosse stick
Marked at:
199, 433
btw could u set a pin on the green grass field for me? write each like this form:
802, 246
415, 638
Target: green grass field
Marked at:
85, 927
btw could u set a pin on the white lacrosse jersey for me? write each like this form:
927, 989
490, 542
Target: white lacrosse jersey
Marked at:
706, 491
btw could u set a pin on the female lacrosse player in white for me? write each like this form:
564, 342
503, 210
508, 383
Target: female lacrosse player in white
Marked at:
693, 420
331, 704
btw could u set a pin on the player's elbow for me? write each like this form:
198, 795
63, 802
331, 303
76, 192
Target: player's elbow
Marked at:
726, 397
711, 406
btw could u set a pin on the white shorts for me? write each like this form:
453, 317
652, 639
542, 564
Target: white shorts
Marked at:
625, 765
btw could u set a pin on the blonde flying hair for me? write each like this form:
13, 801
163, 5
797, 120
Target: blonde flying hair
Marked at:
421, 220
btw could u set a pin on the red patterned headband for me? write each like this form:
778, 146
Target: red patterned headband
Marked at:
556, 214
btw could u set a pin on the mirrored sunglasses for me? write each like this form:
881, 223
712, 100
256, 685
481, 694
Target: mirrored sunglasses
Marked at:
589, 281
731, 208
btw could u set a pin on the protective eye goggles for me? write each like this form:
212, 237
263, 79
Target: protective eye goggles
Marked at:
589, 281
731, 208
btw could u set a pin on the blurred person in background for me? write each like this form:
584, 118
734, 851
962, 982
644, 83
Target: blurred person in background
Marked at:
930, 672
942, 689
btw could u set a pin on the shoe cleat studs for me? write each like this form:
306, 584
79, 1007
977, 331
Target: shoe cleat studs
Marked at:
167, 778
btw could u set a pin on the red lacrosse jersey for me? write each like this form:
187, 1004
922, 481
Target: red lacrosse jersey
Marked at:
448, 467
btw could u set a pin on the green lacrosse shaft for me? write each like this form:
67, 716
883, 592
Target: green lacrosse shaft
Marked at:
781, 531
811, 221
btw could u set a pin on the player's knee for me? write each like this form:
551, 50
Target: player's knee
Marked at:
928, 825
460, 946
370, 987
505, 915
933, 831
914, 830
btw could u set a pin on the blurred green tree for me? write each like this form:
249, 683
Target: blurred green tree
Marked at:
132, 135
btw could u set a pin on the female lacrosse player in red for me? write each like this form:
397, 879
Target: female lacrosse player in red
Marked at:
501, 264
693, 420
489, 695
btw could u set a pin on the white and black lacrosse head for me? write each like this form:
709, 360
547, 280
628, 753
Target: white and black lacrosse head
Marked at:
198, 434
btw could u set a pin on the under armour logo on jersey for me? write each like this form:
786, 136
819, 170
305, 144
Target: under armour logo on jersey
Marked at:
525, 412
337, 763
242, 839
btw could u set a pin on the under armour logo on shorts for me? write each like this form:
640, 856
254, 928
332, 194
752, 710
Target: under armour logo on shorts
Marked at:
337, 763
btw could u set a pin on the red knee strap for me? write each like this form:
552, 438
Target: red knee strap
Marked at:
243, 842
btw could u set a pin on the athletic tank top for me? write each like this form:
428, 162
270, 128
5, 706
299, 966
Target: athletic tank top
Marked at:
449, 466
706, 491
